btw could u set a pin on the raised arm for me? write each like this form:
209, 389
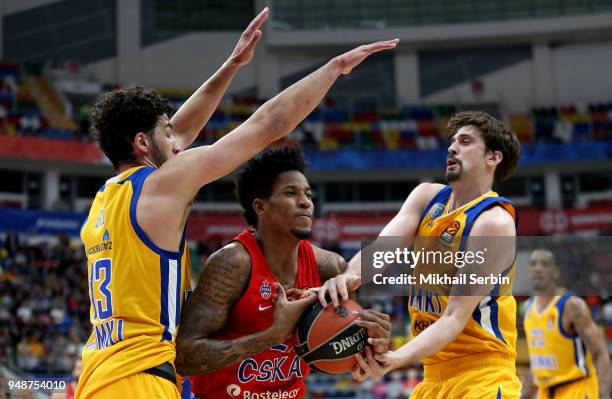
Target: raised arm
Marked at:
222, 282
197, 110
578, 316
404, 224
183, 175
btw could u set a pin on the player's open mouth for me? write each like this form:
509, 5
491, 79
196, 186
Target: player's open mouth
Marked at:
450, 162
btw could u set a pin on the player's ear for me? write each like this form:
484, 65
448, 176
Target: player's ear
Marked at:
258, 206
140, 142
494, 157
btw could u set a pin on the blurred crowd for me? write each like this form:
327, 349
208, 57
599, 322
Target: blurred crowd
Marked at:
18, 111
44, 316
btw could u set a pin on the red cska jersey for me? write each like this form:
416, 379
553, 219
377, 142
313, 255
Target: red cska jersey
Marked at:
276, 373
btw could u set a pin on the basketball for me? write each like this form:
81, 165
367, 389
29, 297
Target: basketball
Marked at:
328, 339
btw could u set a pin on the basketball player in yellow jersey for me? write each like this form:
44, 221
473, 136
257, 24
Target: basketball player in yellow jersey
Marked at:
134, 237
467, 343
568, 355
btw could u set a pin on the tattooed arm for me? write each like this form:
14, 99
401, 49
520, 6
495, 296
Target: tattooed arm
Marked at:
222, 282
330, 264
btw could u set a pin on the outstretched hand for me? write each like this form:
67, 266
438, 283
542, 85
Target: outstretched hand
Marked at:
243, 52
351, 59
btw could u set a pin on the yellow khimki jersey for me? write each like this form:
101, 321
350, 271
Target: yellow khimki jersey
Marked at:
136, 289
556, 357
492, 327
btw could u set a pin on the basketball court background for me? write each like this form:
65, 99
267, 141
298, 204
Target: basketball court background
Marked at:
542, 66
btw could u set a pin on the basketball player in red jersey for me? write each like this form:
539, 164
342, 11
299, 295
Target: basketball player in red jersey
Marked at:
234, 334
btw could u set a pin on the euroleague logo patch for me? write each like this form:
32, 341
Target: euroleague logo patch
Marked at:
450, 231
265, 290
436, 210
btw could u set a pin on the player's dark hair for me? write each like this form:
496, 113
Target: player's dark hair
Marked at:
120, 115
496, 135
257, 178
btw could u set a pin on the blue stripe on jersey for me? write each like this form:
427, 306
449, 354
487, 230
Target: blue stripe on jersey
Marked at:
560, 305
495, 319
579, 347
177, 313
170, 296
498, 393
441, 197
473, 212
494, 316
91, 293
476, 314
137, 179
494, 309
584, 353
164, 267
580, 355
120, 330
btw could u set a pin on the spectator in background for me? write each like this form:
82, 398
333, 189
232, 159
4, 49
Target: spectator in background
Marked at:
12, 242
412, 379
395, 387
379, 390
35, 123
44, 314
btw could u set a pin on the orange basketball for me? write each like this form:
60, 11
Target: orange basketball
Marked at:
328, 339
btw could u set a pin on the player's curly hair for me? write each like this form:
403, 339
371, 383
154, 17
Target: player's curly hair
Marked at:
120, 115
257, 178
496, 135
